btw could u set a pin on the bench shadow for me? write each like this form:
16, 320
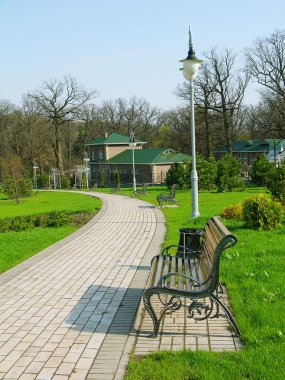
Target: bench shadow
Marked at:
106, 309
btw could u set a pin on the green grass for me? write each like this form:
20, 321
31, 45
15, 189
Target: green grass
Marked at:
43, 202
254, 274
16, 247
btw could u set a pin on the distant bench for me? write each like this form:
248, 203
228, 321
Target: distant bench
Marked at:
142, 191
168, 197
193, 276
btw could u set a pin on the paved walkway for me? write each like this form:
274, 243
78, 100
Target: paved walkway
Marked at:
69, 312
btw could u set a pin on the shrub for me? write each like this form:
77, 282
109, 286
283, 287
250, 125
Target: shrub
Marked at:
57, 219
65, 182
21, 223
233, 212
261, 212
117, 179
261, 170
229, 174
175, 175
207, 172
4, 225
43, 181
275, 183
20, 188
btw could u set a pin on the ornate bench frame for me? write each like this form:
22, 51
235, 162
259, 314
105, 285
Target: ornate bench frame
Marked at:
168, 197
194, 278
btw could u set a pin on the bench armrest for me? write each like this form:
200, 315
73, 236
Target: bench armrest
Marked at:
186, 251
192, 280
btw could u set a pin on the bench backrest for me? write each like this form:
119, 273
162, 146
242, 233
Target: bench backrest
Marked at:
217, 238
173, 190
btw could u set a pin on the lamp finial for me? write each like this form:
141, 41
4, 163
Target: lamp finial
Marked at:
191, 52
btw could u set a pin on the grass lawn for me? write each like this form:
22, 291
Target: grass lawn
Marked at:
254, 274
43, 202
16, 247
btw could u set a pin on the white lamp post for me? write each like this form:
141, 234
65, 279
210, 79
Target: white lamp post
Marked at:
35, 167
132, 144
86, 159
190, 71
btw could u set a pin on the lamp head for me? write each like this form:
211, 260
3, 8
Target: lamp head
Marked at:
191, 63
132, 141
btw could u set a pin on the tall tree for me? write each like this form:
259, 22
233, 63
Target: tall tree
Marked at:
266, 63
229, 90
59, 101
134, 114
6, 135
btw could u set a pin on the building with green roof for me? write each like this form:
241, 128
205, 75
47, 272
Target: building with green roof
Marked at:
112, 153
247, 151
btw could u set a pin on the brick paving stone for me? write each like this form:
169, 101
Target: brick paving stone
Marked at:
56, 315
70, 311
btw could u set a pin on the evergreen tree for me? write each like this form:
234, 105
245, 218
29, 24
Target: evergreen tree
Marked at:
261, 170
228, 174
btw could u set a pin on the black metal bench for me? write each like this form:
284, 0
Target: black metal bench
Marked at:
142, 191
195, 278
168, 197
116, 189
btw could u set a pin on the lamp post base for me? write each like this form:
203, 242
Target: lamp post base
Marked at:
194, 190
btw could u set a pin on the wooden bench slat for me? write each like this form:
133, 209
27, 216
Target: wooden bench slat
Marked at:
158, 269
187, 272
180, 270
166, 266
173, 270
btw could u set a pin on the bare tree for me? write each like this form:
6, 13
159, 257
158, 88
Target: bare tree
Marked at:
59, 101
88, 123
266, 62
134, 114
6, 135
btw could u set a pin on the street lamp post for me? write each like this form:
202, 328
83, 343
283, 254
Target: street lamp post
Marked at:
86, 159
35, 167
190, 71
132, 144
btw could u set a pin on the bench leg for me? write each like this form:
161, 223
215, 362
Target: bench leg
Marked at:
156, 322
227, 315
174, 303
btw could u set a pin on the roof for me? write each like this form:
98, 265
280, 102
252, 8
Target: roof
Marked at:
259, 146
149, 156
113, 139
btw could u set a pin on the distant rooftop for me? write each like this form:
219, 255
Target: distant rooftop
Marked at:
262, 146
149, 156
113, 139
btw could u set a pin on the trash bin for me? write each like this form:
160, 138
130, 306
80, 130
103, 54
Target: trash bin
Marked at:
190, 238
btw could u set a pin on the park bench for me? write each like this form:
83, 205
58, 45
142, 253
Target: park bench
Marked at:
168, 197
192, 277
116, 189
142, 191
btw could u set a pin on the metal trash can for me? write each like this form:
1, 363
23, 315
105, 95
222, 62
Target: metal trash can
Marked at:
190, 238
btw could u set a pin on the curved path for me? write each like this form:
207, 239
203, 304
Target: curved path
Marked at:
77, 300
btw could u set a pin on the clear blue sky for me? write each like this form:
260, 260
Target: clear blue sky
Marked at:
122, 47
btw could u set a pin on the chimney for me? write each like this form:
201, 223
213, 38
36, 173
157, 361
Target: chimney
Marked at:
106, 134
